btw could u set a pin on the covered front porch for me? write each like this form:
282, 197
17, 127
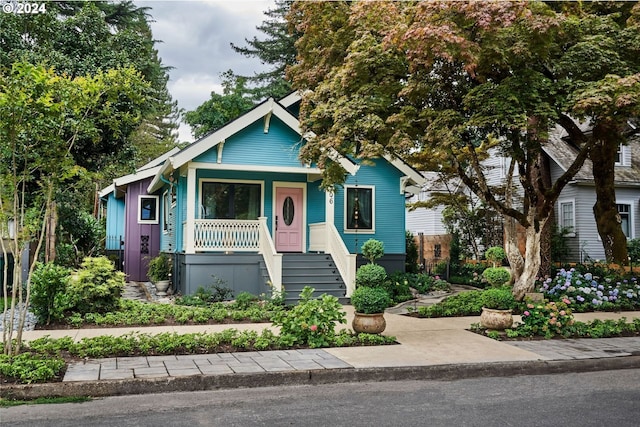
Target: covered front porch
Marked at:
224, 238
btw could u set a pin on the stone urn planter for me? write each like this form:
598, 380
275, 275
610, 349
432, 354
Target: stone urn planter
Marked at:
369, 304
496, 319
368, 323
161, 287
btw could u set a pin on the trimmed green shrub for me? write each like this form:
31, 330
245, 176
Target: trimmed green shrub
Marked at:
372, 250
499, 298
495, 255
97, 287
48, 297
371, 275
497, 276
368, 300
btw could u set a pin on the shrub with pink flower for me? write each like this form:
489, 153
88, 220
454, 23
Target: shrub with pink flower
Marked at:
547, 319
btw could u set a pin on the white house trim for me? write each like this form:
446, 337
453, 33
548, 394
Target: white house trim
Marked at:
157, 213
137, 176
255, 168
220, 148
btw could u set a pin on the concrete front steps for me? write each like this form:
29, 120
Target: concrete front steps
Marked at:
315, 270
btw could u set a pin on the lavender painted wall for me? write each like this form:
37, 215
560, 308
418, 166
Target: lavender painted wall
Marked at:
142, 240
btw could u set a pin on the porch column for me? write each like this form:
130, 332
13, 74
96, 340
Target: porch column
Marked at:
329, 206
191, 211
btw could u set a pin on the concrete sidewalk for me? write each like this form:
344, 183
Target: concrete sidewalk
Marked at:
428, 348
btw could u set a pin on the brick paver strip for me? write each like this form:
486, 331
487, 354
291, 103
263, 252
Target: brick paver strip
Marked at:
246, 368
184, 372
305, 364
333, 364
215, 369
116, 374
82, 372
180, 364
150, 372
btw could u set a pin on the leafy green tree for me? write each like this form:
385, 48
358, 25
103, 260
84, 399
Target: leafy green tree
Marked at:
220, 109
82, 39
42, 116
445, 83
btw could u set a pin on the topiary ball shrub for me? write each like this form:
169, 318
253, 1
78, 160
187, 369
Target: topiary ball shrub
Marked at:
497, 276
371, 275
366, 300
372, 250
498, 299
495, 255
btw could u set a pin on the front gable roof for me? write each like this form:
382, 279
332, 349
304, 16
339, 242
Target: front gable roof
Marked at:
265, 111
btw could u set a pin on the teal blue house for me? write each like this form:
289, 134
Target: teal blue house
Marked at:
238, 205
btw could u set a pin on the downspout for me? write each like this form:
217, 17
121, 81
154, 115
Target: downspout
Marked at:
174, 255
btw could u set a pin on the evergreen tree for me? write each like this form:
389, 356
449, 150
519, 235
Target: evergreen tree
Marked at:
276, 49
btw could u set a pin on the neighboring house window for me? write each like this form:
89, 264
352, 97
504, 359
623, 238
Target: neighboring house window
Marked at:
623, 155
567, 217
231, 200
148, 209
359, 208
624, 210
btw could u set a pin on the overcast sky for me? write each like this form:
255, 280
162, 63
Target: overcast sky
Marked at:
196, 37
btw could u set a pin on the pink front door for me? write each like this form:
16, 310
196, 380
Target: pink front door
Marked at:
288, 216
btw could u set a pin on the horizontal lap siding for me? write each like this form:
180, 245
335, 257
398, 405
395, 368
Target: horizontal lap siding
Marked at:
251, 146
389, 208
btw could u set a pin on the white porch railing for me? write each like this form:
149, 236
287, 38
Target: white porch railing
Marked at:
235, 235
324, 237
272, 259
226, 235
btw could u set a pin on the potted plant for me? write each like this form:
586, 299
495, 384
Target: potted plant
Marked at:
369, 304
159, 271
497, 306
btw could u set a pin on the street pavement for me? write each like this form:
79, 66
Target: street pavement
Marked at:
441, 348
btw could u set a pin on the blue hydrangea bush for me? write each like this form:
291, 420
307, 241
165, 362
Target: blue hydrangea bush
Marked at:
588, 292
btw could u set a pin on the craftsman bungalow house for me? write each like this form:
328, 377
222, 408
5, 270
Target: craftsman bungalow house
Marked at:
238, 205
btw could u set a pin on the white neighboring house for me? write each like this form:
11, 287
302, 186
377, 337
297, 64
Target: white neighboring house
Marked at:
426, 224
573, 210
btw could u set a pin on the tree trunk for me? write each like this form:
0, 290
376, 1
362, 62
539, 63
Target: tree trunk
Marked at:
526, 281
516, 261
51, 225
608, 221
545, 238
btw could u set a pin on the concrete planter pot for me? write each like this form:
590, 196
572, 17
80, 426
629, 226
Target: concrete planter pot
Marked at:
368, 323
161, 287
495, 319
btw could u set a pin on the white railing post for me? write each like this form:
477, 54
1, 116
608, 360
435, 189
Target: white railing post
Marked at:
323, 236
272, 259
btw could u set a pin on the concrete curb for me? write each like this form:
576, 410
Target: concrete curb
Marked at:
314, 377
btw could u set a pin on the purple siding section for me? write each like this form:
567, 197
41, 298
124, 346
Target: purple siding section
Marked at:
142, 241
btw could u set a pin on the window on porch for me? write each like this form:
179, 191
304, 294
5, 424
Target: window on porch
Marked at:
226, 200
